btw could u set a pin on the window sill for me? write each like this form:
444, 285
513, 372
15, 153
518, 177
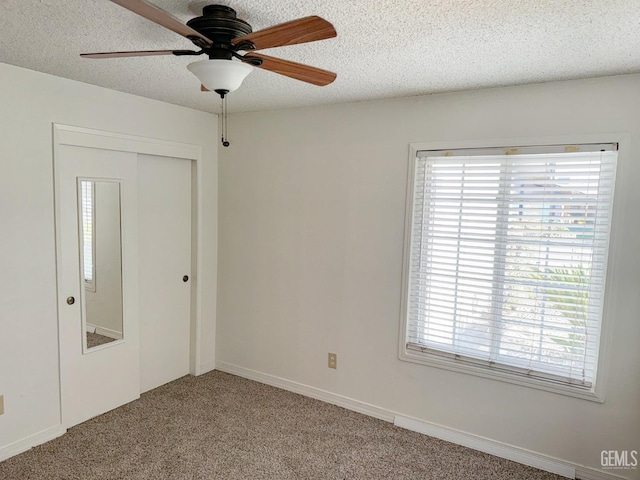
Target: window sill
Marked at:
592, 394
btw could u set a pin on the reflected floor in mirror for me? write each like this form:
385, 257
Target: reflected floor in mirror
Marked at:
95, 339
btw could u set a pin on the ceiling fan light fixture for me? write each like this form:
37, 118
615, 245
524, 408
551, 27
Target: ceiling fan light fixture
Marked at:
220, 75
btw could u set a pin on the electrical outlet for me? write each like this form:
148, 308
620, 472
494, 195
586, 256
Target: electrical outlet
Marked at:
333, 360
1, 404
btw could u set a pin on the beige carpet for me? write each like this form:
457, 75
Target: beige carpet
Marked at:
219, 426
95, 339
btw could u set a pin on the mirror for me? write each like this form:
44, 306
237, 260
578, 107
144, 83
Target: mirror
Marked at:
100, 261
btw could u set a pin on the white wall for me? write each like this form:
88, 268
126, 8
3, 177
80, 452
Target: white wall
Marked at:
104, 304
29, 103
312, 205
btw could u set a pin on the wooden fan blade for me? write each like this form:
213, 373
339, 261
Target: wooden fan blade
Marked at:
162, 18
142, 53
307, 29
305, 73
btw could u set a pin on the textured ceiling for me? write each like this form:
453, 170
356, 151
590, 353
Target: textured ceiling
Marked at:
384, 48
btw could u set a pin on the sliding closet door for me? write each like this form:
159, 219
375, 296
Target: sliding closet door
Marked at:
97, 246
164, 238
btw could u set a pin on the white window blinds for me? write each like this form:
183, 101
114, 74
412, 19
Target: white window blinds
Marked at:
87, 193
508, 257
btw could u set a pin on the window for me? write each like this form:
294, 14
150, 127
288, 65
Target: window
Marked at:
506, 263
88, 232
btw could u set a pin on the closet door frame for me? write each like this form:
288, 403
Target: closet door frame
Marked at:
91, 138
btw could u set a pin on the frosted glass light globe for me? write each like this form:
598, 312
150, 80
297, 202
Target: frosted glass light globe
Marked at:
220, 75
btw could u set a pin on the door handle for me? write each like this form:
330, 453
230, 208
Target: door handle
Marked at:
185, 278
71, 300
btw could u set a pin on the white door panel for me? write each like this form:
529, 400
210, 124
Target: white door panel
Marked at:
95, 380
164, 235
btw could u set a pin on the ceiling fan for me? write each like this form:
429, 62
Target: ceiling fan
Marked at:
220, 35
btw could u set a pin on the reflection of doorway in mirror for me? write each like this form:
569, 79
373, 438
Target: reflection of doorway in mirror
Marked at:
102, 261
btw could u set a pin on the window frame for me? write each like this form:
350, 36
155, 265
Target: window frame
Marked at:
595, 393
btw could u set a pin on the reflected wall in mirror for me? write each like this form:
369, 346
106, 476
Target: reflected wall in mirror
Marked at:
101, 260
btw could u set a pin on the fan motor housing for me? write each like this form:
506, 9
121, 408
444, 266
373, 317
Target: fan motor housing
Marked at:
220, 24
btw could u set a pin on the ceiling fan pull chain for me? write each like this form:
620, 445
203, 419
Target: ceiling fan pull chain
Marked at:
225, 142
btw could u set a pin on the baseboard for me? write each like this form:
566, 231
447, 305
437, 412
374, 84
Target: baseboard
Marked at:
206, 368
499, 449
586, 473
307, 391
482, 444
31, 441
107, 332
504, 450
